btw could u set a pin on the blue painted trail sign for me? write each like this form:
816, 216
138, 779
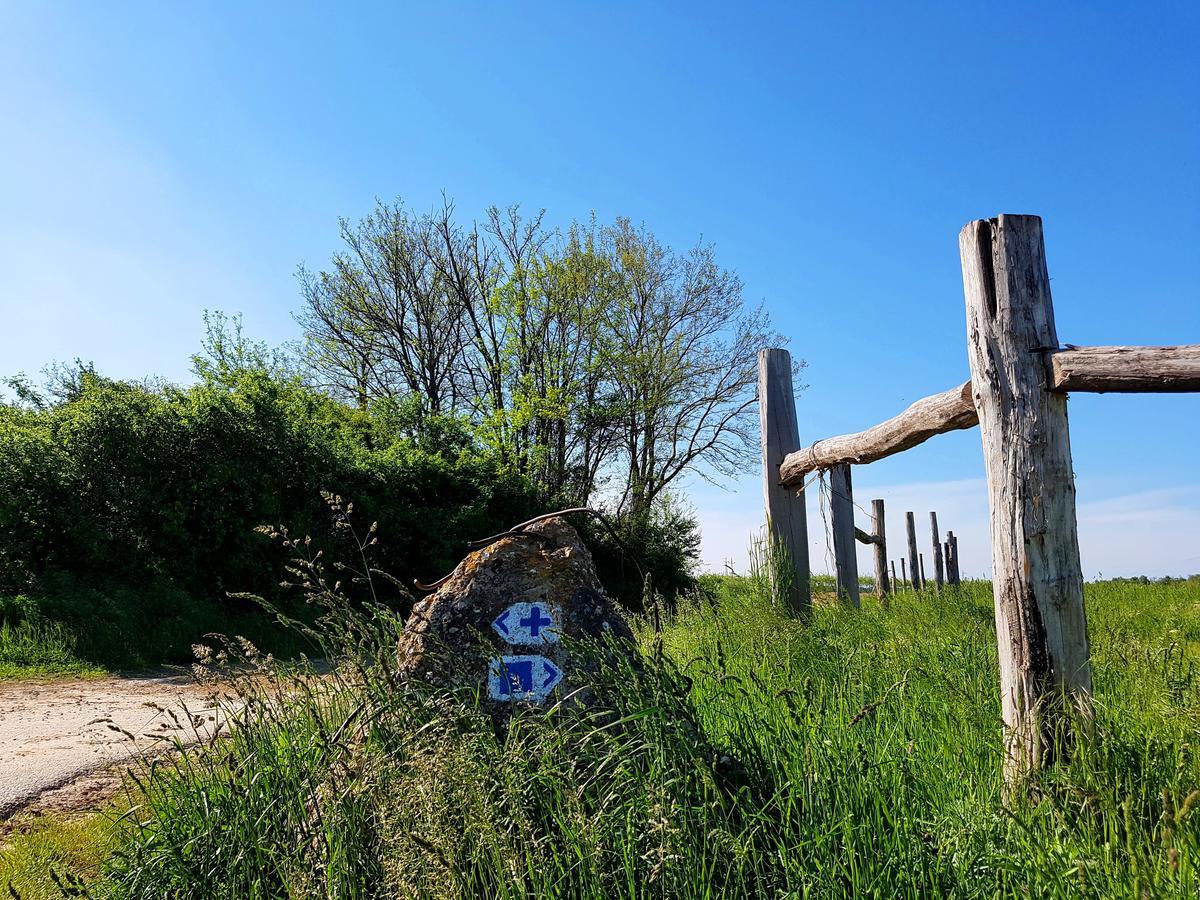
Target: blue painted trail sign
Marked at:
530, 677
527, 623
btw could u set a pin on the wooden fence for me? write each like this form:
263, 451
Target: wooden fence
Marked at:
1020, 375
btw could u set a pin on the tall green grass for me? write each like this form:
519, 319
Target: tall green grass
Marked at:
745, 754
31, 647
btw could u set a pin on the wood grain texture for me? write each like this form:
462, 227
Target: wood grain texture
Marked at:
1127, 369
883, 586
787, 520
1036, 576
948, 411
845, 550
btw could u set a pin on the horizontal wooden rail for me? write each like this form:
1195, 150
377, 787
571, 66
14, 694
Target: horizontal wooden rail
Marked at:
1127, 369
948, 411
863, 538
1080, 369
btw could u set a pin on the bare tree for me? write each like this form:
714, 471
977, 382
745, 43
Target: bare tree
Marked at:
682, 357
384, 321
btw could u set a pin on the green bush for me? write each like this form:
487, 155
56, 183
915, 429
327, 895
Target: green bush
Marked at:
665, 545
128, 512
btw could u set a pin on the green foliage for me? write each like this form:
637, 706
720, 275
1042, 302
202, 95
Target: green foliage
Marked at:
664, 545
128, 512
857, 755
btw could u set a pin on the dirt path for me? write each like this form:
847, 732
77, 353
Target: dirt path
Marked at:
55, 732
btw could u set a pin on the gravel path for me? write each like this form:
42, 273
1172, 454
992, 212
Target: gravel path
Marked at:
53, 732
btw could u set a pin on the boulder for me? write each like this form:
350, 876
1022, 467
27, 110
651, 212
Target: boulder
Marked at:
498, 621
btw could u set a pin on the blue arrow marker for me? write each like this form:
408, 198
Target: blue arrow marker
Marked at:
500, 625
552, 675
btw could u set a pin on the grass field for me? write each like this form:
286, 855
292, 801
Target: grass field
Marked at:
34, 648
856, 755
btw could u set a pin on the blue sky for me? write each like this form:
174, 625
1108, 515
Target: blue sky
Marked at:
160, 159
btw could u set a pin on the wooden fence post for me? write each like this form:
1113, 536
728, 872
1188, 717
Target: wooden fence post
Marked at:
845, 550
921, 557
879, 533
954, 550
949, 554
913, 573
903, 573
787, 521
895, 583
1037, 580
938, 572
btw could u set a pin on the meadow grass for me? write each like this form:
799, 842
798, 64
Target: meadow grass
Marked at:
744, 754
33, 648
51, 855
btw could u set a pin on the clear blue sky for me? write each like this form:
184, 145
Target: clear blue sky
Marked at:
158, 159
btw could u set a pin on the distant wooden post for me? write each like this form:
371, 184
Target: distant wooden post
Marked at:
1037, 580
895, 583
938, 573
921, 557
845, 551
787, 522
954, 552
879, 533
903, 573
914, 573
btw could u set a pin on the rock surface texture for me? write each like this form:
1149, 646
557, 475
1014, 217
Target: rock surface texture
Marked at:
498, 621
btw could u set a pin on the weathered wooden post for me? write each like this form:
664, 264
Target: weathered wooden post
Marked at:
1037, 580
921, 557
938, 574
845, 551
903, 573
914, 572
951, 550
895, 583
879, 534
787, 522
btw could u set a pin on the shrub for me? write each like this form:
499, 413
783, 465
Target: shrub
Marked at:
128, 512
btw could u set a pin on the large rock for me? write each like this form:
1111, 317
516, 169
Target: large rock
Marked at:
498, 620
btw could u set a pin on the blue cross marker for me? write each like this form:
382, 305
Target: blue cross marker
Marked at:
527, 623
534, 621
